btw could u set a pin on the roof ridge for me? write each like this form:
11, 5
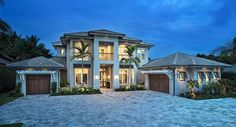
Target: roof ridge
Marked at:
176, 57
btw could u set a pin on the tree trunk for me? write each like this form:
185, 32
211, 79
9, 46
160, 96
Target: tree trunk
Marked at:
82, 63
129, 77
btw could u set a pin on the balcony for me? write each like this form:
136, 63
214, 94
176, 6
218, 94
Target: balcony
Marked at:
106, 56
123, 56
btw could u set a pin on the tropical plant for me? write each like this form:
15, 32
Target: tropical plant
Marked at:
131, 59
81, 52
15, 48
225, 53
4, 27
53, 87
191, 84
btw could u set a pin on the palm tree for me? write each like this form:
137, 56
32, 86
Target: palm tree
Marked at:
4, 27
135, 60
82, 53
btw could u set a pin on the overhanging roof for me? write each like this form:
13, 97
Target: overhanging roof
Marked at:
37, 62
182, 59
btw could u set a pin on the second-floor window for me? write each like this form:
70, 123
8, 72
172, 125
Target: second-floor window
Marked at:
141, 53
62, 51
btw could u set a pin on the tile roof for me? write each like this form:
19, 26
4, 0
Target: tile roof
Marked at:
182, 59
59, 59
4, 61
231, 69
37, 62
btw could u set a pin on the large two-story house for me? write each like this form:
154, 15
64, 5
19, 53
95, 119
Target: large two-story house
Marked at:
102, 70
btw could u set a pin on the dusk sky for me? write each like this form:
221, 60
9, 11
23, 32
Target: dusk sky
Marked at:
190, 26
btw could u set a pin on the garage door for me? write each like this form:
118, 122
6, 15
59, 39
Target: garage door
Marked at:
37, 84
159, 82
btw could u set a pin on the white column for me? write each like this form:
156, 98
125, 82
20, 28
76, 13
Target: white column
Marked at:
96, 64
71, 66
195, 74
146, 81
116, 67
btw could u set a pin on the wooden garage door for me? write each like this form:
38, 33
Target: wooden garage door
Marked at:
159, 82
37, 84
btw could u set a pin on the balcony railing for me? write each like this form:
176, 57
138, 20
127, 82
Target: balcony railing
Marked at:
106, 56
123, 56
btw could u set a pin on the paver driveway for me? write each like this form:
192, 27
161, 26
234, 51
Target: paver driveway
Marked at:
141, 108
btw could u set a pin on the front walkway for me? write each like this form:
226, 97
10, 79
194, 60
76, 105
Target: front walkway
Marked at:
140, 108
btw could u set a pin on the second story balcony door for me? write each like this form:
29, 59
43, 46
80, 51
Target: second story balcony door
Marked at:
106, 51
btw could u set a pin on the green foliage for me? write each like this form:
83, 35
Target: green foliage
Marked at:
64, 83
225, 53
191, 84
14, 48
77, 91
66, 91
54, 88
17, 90
131, 87
217, 89
7, 80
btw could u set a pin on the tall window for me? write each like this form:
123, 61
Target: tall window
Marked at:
79, 76
209, 76
183, 76
123, 76
201, 77
141, 53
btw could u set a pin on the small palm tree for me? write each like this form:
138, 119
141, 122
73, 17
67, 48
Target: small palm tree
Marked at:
82, 53
135, 60
191, 84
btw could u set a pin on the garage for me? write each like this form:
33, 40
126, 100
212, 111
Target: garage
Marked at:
37, 84
159, 82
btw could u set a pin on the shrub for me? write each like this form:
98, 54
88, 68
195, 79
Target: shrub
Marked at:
191, 84
64, 83
130, 88
7, 80
17, 90
66, 91
75, 90
54, 87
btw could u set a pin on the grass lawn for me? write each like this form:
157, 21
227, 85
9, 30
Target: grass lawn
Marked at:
4, 98
12, 125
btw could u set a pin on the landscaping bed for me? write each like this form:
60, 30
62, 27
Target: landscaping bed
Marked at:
217, 89
131, 88
75, 91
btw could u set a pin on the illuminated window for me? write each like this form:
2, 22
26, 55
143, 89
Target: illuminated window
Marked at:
123, 76
200, 77
78, 75
209, 76
140, 54
62, 51
182, 76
